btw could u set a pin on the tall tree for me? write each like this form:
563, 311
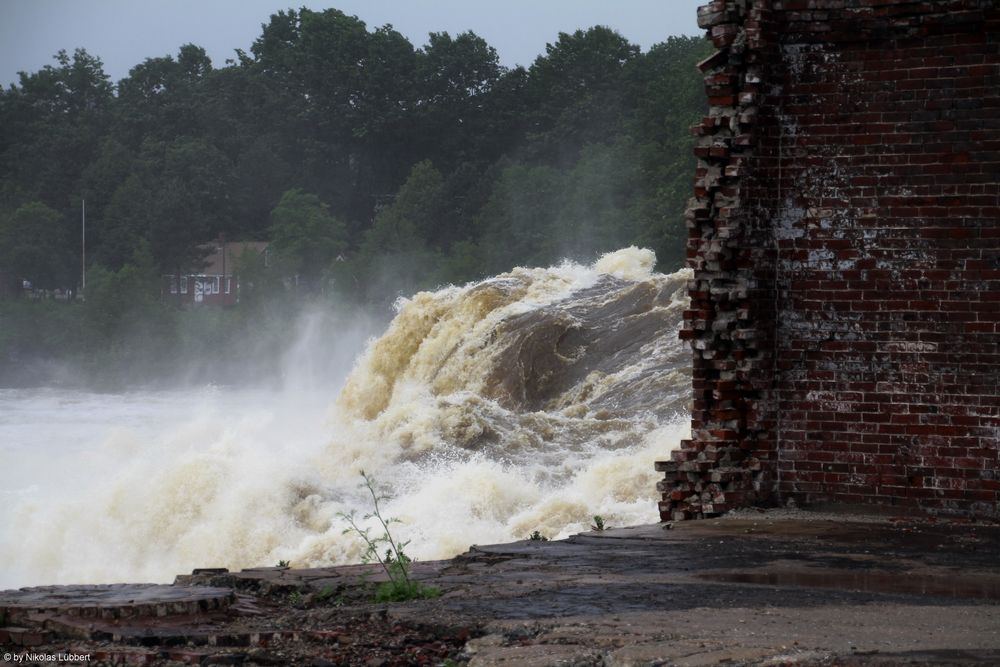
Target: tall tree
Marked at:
598, 202
176, 199
517, 222
306, 237
579, 91
455, 77
353, 91
413, 219
34, 247
670, 95
53, 123
161, 97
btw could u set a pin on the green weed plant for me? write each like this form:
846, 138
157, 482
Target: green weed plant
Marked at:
388, 551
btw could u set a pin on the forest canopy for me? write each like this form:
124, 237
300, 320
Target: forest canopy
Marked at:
437, 151
374, 167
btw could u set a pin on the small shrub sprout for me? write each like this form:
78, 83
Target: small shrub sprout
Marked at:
394, 561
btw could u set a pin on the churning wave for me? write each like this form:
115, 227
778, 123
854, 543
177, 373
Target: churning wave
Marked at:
532, 400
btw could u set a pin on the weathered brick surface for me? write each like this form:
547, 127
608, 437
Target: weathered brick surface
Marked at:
845, 237
732, 290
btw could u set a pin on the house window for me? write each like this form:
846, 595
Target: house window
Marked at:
173, 283
184, 284
206, 285
228, 285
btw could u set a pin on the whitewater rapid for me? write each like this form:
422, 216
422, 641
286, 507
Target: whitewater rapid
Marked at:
533, 400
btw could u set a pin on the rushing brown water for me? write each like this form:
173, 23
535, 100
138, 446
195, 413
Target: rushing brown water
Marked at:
528, 401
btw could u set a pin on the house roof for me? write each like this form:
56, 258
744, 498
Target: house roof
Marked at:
231, 250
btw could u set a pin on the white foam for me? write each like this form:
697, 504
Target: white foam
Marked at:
141, 487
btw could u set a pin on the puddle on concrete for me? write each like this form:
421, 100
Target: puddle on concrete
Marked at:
868, 582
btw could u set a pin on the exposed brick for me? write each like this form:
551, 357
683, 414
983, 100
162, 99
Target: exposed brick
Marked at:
855, 236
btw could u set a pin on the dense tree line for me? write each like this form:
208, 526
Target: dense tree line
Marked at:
418, 166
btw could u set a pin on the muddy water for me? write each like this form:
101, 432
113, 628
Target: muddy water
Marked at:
529, 401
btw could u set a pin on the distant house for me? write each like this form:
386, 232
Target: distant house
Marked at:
216, 282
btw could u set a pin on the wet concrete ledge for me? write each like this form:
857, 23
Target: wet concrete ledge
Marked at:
772, 588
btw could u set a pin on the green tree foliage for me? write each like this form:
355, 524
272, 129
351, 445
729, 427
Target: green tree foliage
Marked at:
162, 97
347, 94
175, 197
580, 92
584, 150
518, 222
33, 246
123, 299
306, 237
52, 125
671, 95
259, 286
402, 247
597, 211
418, 165
456, 78
411, 220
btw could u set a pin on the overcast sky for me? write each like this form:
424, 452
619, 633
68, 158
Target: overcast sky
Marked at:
125, 32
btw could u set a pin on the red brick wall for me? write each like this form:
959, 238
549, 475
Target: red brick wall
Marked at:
845, 238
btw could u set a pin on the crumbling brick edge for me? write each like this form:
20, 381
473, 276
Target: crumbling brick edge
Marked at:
890, 185
720, 467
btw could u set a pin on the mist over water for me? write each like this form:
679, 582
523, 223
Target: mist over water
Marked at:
529, 401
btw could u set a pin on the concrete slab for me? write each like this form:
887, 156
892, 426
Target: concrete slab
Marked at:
771, 588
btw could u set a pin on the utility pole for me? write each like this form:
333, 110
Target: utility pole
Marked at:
222, 287
83, 245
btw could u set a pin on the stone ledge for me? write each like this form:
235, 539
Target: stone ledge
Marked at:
113, 601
